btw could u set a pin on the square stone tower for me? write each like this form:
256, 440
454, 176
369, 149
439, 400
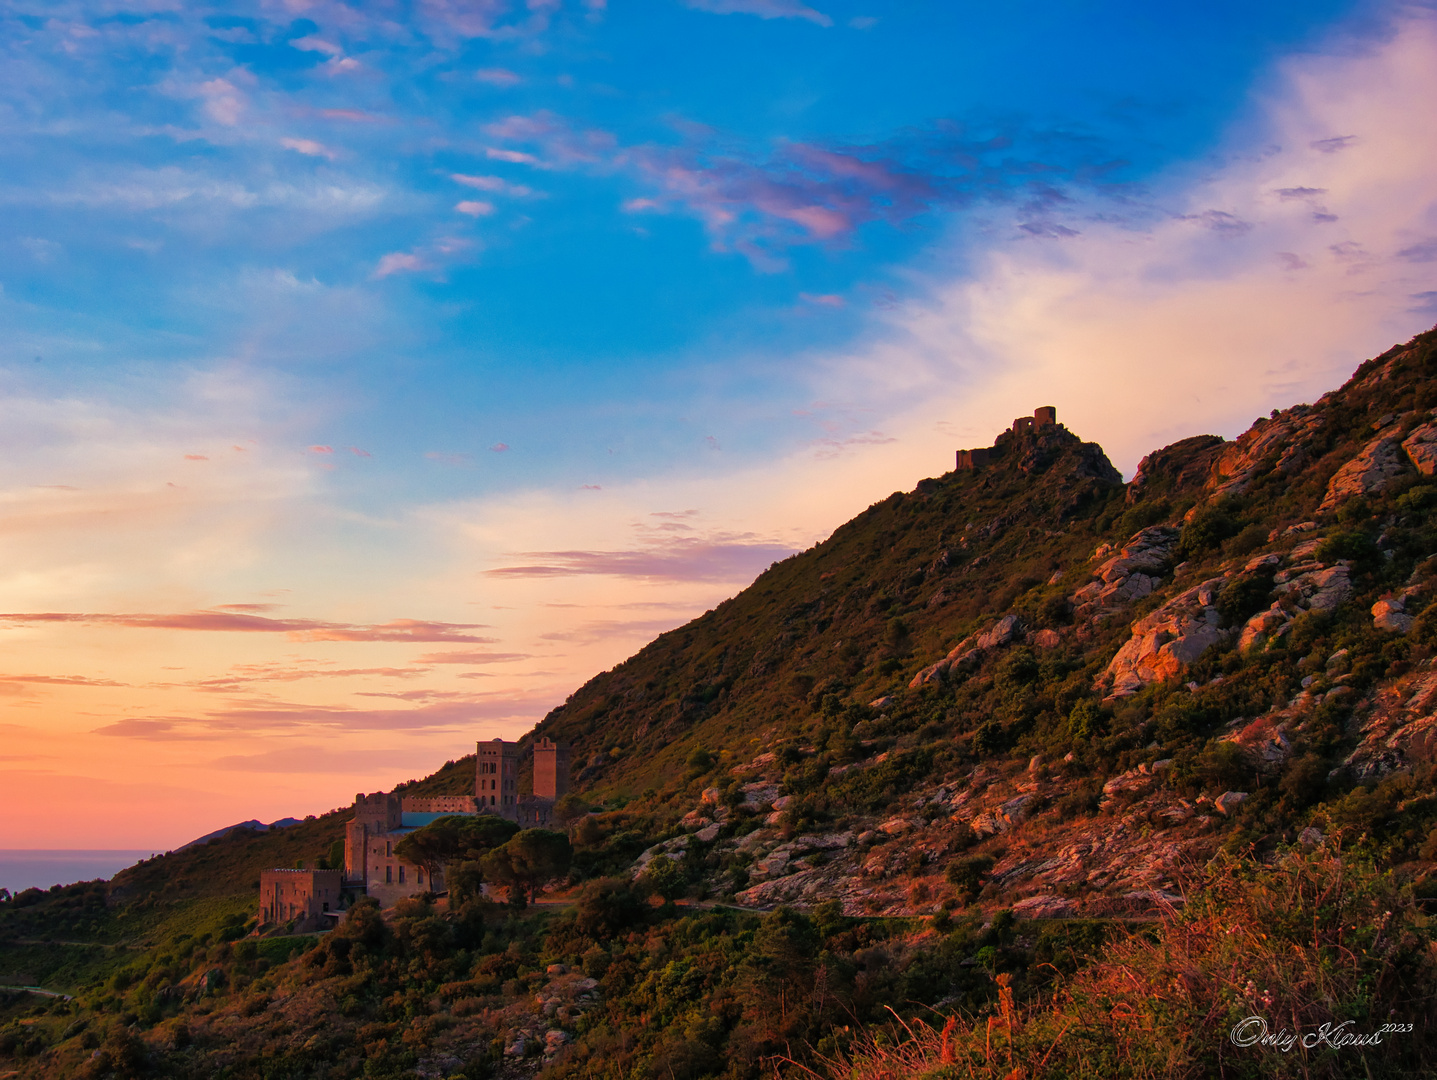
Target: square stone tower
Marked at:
496, 778
551, 769
374, 815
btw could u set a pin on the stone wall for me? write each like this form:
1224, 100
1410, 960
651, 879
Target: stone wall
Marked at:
301, 895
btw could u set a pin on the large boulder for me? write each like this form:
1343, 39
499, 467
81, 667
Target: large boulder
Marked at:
1369, 472
1002, 632
1166, 641
1391, 615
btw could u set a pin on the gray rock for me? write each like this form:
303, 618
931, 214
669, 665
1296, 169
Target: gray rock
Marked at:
1369, 472
1391, 615
1001, 633
1229, 801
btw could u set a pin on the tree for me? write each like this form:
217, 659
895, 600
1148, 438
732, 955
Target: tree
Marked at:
666, 877
454, 838
529, 859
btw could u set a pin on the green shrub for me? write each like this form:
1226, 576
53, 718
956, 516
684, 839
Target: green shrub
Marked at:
1209, 527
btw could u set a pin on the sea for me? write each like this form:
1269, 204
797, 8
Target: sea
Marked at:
39, 868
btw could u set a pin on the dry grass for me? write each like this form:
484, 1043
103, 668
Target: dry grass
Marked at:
1310, 941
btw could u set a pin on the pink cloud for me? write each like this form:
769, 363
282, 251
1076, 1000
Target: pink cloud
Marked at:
764, 9
679, 558
483, 183
499, 448
355, 116
60, 680
832, 300
321, 449
224, 102
313, 43
560, 143
497, 77
496, 184
196, 457
357, 452
397, 262
515, 157
471, 656
417, 630
639, 206
474, 207
308, 147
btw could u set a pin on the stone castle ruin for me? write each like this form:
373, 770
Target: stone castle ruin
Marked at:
312, 898
1043, 416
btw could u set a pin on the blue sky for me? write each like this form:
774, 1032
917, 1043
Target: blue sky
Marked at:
372, 374
173, 167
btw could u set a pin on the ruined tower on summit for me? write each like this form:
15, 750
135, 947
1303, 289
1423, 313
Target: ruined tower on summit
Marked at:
1043, 416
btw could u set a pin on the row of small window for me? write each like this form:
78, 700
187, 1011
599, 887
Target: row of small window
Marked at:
389, 875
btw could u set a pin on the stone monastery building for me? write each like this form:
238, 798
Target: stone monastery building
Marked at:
312, 897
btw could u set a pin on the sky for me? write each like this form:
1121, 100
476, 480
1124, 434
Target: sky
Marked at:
374, 374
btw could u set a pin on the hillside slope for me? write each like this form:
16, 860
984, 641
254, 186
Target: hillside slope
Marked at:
950, 751
1230, 650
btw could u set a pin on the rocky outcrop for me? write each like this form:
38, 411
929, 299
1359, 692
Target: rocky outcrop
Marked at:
1421, 448
1165, 642
1369, 472
1271, 443
1400, 728
1314, 586
1181, 466
968, 653
1129, 575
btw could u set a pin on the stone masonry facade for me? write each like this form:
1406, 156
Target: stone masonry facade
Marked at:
382, 819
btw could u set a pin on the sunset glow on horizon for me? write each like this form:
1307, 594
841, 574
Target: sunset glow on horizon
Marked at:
376, 374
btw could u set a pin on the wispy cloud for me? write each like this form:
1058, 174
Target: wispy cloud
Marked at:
764, 9
761, 200
471, 656
397, 262
60, 680
497, 77
416, 630
682, 559
308, 147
